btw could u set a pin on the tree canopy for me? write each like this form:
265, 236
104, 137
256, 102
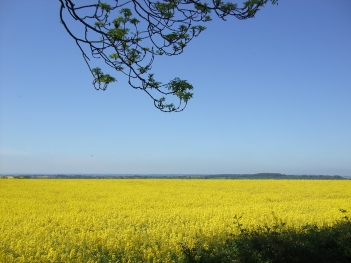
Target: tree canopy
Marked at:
128, 35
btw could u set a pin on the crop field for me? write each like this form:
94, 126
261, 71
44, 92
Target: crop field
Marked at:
148, 220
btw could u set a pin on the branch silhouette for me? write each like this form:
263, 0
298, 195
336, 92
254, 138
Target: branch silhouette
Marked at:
128, 35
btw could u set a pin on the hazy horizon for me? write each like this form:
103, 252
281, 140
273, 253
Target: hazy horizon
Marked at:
174, 174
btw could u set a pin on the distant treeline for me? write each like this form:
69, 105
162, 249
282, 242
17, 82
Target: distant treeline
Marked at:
276, 176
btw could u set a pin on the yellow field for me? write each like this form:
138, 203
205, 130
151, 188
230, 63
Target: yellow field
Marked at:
146, 220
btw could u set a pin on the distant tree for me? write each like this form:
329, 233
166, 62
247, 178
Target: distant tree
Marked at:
129, 34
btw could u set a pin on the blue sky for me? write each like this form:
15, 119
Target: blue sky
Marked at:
271, 94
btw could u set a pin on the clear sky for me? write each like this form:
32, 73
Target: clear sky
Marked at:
271, 94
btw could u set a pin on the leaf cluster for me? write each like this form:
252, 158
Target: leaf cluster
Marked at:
132, 33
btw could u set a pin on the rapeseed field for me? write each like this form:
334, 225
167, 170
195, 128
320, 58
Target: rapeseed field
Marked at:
149, 220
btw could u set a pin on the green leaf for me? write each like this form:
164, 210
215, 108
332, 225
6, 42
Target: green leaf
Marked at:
152, 82
142, 70
126, 12
105, 7
134, 21
101, 77
99, 24
181, 89
171, 37
114, 55
118, 34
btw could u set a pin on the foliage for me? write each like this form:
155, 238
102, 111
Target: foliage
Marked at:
128, 35
279, 244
